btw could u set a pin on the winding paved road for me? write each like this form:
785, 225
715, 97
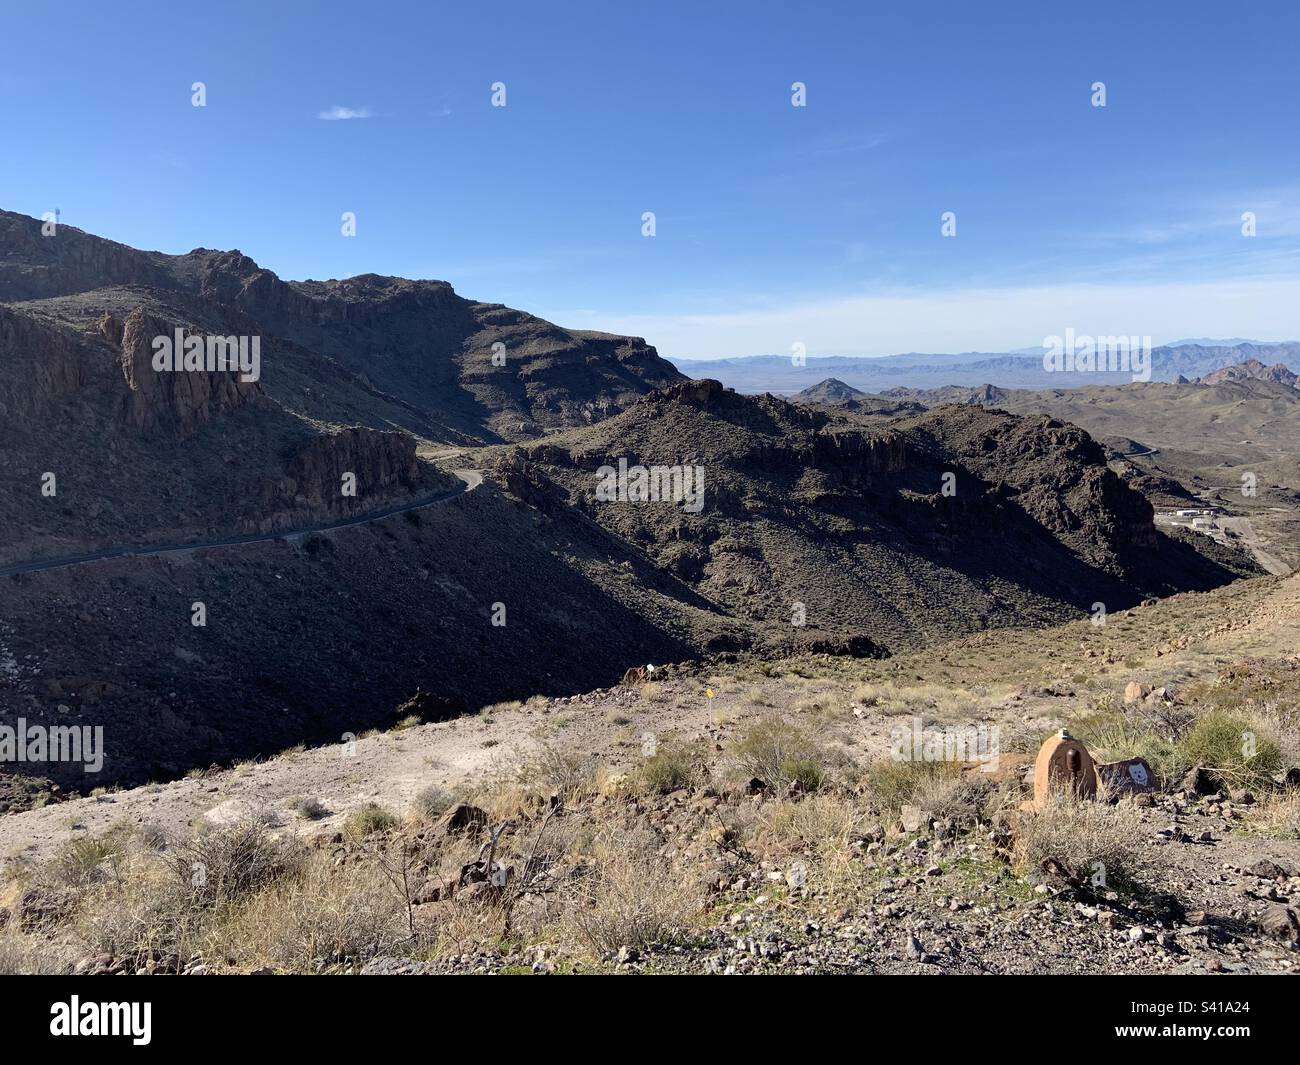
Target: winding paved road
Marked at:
470, 479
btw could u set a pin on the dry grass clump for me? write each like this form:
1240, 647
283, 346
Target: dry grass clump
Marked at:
431, 802
780, 754
27, 955
1113, 733
630, 897
309, 808
894, 782
89, 859
1088, 840
1276, 815
961, 797
150, 911
169, 904
223, 864
820, 830
544, 775
324, 916
828, 822
933, 700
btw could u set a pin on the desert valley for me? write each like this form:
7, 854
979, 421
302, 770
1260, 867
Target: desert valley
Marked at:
402, 637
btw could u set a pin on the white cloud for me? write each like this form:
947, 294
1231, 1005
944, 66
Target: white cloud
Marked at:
337, 113
971, 319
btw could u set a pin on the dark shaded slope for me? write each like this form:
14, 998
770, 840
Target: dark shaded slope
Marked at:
806, 508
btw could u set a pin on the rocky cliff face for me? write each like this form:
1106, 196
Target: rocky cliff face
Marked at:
40, 364
379, 464
34, 266
1055, 472
949, 520
454, 368
183, 399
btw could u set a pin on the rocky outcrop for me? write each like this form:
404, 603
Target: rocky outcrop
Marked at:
380, 464
1055, 472
528, 482
434, 355
1251, 370
40, 364
34, 266
177, 398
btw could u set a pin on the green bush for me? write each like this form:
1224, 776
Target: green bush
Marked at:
368, 820
894, 782
670, 768
780, 754
1224, 743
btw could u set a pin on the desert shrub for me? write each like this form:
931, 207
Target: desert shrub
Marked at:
548, 771
1233, 748
962, 797
152, 836
310, 808
630, 898
820, 829
369, 819
222, 864
1276, 816
87, 859
352, 913
1085, 838
780, 754
894, 782
672, 766
431, 802
151, 910
409, 721
1112, 734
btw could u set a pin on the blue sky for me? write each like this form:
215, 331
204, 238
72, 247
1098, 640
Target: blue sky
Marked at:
775, 225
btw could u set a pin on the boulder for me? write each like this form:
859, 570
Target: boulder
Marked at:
1135, 692
1127, 777
462, 819
1201, 781
1280, 922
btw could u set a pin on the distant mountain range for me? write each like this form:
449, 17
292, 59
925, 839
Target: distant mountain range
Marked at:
779, 375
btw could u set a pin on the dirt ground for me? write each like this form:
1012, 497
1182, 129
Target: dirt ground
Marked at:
1025, 681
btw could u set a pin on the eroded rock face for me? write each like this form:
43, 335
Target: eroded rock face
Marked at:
1055, 472
36, 266
381, 462
41, 364
183, 399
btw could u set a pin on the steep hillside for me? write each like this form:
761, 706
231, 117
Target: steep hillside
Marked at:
809, 515
351, 377
1177, 442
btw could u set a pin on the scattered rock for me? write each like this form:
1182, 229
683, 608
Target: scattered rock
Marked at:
1281, 922
1266, 869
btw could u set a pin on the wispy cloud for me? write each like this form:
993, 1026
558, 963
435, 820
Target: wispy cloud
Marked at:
338, 114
